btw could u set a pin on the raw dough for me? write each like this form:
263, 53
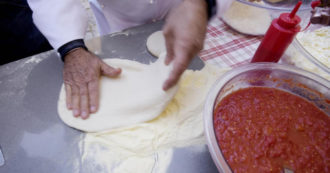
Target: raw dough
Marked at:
247, 19
156, 43
134, 97
148, 146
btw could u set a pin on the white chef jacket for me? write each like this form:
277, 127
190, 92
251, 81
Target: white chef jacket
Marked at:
62, 21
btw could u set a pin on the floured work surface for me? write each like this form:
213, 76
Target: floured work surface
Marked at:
31, 132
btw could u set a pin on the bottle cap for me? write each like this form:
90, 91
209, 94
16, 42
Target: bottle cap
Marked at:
290, 20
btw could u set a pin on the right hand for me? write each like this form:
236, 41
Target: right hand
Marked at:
184, 32
81, 74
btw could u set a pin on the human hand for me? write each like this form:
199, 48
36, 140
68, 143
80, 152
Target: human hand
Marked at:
184, 33
81, 74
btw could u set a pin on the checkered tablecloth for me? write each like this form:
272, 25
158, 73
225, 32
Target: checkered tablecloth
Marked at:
225, 47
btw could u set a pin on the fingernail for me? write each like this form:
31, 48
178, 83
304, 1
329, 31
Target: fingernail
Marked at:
84, 114
93, 108
76, 113
69, 106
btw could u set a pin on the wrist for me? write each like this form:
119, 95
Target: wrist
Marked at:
207, 6
71, 47
211, 6
73, 52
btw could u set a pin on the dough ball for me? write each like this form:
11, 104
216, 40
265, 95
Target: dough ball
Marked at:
135, 96
156, 43
247, 19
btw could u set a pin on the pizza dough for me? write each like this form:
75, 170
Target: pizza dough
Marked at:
156, 43
149, 146
134, 97
247, 19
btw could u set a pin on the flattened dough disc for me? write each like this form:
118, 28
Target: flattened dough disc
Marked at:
156, 43
135, 96
247, 19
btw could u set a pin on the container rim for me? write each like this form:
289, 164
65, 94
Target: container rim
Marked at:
212, 95
304, 7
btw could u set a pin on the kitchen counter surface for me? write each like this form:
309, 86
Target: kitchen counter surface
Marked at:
34, 139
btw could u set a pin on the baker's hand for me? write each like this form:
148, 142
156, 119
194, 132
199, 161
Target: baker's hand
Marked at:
184, 33
81, 74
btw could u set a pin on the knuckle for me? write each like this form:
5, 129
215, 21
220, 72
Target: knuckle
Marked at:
75, 93
181, 65
199, 45
92, 91
93, 87
171, 79
74, 90
68, 82
83, 91
167, 32
95, 62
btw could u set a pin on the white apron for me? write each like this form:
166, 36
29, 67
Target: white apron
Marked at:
116, 15
62, 21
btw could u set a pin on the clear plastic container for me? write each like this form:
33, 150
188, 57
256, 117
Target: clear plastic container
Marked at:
279, 5
299, 56
288, 78
273, 10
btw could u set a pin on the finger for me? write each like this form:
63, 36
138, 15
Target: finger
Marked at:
180, 65
169, 43
174, 77
84, 105
75, 100
109, 71
93, 90
68, 96
169, 52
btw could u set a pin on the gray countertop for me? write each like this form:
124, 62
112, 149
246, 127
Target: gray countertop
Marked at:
34, 139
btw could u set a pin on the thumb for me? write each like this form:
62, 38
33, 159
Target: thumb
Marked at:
109, 71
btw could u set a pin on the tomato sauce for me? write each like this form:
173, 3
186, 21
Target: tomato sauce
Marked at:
263, 129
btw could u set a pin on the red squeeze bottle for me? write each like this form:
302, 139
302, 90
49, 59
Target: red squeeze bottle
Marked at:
278, 37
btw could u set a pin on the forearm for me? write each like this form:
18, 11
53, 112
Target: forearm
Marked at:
60, 21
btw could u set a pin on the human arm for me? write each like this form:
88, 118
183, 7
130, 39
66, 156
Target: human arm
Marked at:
63, 23
60, 21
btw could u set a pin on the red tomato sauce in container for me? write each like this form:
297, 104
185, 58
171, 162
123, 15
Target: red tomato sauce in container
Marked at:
262, 129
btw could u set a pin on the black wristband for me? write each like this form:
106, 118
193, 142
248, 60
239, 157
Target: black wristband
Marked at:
66, 48
211, 8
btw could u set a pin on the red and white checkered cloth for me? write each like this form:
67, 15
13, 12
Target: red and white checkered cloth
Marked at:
225, 47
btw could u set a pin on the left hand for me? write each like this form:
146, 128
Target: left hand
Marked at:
81, 74
184, 33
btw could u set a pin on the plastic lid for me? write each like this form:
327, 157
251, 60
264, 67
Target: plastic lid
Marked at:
287, 22
290, 20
